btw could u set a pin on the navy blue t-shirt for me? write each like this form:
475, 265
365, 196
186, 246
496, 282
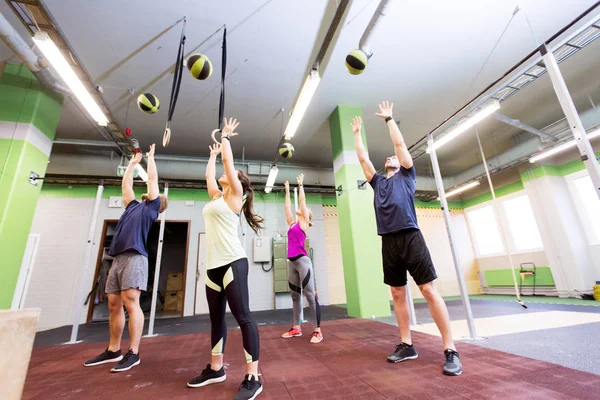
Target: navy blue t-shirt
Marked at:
133, 227
395, 201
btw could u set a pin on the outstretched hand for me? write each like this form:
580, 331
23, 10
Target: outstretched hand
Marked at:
135, 160
356, 125
287, 186
385, 110
151, 152
230, 126
300, 179
215, 149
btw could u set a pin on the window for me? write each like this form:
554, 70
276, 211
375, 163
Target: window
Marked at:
484, 228
590, 214
521, 221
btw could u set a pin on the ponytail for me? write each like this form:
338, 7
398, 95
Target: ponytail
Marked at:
254, 220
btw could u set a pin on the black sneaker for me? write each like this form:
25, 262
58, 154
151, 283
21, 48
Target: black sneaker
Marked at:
106, 357
249, 389
207, 377
129, 361
403, 352
452, 366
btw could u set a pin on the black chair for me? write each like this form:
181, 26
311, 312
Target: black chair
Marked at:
525, 271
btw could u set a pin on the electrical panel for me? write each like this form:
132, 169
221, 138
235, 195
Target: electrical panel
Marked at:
261, 249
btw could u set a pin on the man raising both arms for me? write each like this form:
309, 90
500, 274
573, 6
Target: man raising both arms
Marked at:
403, 245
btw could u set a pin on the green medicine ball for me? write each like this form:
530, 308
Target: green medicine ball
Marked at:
200, 66
148, 103
286, 150
356, 62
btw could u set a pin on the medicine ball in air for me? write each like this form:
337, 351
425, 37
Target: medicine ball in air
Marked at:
356, 62
286, 150
148, 103
200, 66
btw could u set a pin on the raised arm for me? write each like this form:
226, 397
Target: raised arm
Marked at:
211, 168
127, 183
302, 203
361, 151
289, 216
385, 112
227, 156
152, 184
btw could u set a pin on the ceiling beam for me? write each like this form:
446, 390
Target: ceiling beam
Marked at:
518, 124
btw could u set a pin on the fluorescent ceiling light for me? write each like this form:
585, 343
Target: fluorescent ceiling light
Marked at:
306, 95
62, 67
466, 125
141, 173
563, 147
461, 189
271, 179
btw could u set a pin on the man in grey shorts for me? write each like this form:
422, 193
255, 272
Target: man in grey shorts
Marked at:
128, 274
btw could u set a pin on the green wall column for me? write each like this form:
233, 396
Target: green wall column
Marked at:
366, 294
29, 116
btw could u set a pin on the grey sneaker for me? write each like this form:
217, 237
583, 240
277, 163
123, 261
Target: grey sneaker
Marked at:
106, 357
249, 389
403, 352
208, 377
452, 366
129, 361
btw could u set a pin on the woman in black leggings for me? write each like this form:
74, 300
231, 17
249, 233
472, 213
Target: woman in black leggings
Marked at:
227, 265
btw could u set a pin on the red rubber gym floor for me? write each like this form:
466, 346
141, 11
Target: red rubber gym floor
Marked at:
348, 364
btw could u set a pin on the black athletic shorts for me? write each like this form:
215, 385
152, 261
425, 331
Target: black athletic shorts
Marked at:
406, 251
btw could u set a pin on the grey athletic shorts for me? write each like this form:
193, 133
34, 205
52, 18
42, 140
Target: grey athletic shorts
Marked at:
128, 271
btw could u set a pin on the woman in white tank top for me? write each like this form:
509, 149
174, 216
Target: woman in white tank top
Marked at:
227, 265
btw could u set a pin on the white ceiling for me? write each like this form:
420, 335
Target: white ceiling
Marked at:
426, 57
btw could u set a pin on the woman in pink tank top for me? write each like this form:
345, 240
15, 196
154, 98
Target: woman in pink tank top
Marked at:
300, 271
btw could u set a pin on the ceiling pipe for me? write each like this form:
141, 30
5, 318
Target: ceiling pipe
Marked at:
364, 42
38, 65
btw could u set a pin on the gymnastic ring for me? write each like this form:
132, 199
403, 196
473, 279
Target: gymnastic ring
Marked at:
213, 135
166, 137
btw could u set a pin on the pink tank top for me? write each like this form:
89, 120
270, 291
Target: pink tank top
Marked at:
296, 238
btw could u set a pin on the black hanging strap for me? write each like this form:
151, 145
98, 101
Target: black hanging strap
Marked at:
177, 76
223, 70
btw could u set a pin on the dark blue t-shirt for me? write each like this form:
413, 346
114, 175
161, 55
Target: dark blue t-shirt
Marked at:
133, 227
395, 201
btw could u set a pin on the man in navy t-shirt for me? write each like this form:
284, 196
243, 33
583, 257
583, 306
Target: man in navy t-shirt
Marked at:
128, 274
402, 244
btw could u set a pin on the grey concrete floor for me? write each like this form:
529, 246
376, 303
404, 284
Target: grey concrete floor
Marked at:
575, 347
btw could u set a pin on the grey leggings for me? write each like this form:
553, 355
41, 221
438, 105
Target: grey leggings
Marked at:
301, 282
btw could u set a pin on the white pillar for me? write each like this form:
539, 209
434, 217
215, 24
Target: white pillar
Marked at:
157, 268
79, 299
566, 102
444, 205
411, 304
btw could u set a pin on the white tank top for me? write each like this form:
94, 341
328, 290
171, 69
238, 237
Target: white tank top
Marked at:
223, 245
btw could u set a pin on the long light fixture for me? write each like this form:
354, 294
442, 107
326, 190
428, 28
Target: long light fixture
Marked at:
62, 67
466, 125
306, 94
141, 173
461, 189
563, 147
271, 179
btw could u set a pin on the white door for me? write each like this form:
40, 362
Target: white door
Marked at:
25, 272
201, 306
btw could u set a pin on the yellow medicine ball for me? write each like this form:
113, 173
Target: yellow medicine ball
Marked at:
200, 66
286, 150
356, 62
148, 103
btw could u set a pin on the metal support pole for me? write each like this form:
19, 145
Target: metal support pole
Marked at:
301, 298
444, 205
295, 200
566, 102
497, 216
161, 235
79, 299
411, 304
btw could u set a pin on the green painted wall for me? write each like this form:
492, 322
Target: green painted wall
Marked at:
22, 100
503, 277
342, 138
540, 171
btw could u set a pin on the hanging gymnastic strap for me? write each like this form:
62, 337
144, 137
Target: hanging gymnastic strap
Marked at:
223, 71
176, 85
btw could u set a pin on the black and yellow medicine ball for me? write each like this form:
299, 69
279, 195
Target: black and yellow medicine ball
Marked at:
148, 103
286, 150
356, 62
200, 66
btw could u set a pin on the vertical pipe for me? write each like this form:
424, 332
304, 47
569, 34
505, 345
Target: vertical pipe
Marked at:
301, 299
444, 205
157, 268
79, 299
411, 304
566, 103
497, 216
295, 200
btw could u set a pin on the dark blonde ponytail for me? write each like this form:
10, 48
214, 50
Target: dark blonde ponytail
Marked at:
254, 220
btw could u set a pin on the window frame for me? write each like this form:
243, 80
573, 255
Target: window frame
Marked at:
504, 216
590, 233
474, 236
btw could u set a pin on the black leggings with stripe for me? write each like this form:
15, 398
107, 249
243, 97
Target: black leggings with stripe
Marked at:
230, 283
